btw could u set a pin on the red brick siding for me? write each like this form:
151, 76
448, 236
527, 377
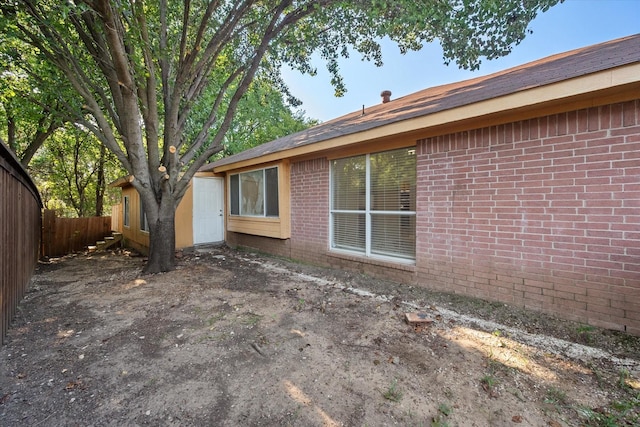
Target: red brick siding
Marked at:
310, 210
543, 213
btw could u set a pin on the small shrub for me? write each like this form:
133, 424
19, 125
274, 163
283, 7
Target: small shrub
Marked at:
393, 393
488, 383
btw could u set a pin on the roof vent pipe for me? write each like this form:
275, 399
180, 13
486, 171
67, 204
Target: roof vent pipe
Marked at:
386, 96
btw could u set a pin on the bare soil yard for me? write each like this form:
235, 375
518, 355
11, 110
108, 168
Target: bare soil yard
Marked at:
239, 339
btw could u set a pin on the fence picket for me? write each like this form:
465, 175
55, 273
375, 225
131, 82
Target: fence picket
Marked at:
20, 219
61, 236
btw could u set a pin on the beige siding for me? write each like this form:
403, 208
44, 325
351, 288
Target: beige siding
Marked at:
184, 220
132, 234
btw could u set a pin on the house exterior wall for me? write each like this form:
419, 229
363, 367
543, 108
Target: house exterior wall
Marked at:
278, 227
542, 213
133, 236
309, 197
184, 220
116, 217
136, 238
278, 247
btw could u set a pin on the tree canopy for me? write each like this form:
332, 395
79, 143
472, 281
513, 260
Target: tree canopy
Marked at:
34, 97
72, 171
162, 82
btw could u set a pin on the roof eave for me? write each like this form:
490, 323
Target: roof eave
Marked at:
611, 85
122, 181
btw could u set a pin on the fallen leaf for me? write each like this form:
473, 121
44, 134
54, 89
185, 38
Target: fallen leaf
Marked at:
516, 419
72, 385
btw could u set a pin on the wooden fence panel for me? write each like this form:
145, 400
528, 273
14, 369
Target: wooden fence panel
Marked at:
20, 223
61, 236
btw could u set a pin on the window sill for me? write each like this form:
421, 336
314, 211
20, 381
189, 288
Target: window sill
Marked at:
395, 263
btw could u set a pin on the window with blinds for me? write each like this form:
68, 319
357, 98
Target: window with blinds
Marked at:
373, 204
254, 193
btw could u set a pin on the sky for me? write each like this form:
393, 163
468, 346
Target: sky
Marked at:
566, 26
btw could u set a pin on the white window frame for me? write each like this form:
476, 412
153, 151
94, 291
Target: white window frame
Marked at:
368, 213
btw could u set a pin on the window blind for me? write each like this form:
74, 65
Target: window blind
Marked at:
373, 204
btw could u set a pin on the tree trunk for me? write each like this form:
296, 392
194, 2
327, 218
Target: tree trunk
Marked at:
162, 240
11, 133
100, 181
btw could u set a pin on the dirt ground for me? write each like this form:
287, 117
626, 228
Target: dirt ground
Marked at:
239, 339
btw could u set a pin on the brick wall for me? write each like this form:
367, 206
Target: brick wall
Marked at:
543, 213
309, 210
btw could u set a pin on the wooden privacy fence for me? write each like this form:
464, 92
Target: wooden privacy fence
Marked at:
20, 219
61, 236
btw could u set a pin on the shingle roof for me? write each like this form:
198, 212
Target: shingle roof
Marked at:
553, 69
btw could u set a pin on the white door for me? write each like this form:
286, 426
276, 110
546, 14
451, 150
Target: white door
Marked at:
208, 210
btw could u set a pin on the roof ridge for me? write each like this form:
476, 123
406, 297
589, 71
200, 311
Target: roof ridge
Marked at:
544, 71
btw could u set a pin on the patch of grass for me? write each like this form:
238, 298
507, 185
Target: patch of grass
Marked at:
597, 375
294, 416
251, 319
444, 409
205, 338
223, 336
623, 377
392, 393
489, 383
488, 380
517, 394
213, 319
628, 343
439, 420
555, 396
584, 333
625, 412
494, 366
151, 382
